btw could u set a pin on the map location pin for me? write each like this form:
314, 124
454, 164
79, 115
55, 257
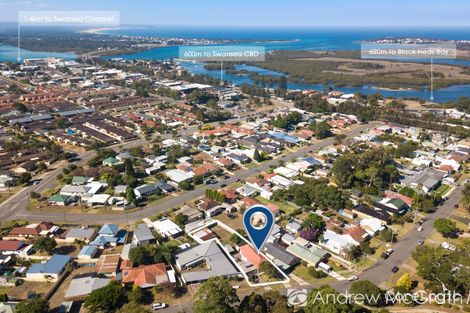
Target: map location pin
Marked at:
259, 222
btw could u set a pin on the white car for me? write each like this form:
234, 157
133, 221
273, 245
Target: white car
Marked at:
448, 246
420, 228
158, 306
352, 278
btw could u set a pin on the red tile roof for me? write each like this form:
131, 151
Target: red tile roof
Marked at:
357, 233
146, 275
250, 254
395, 195
30, 231
11, 245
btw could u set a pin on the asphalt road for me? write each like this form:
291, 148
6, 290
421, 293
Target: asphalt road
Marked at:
16, 207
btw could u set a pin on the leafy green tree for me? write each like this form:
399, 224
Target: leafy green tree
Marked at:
268, 268
316, 273
257, 156
215, 295
181, 219
162, 253
445, 226
184, 185
129, 167
442, 268
24, 178
235, 239
45, 244
130, 195
276, 302
254, 303
373, 295
37, 305
140, 256
106, 299
314, 221
323, 130
136, 295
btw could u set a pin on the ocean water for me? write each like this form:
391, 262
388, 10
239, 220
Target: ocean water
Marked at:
276, 38
10, 53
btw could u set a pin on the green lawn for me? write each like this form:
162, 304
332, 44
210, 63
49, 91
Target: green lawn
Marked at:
287, 208
443, 189
302, 272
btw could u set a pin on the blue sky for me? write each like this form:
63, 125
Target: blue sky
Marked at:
437, 13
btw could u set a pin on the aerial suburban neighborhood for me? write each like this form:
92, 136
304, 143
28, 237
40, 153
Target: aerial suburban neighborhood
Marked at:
124, 182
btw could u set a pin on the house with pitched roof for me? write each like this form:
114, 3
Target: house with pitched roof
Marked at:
283, 259
108, 264
109, 235
249, 254
310, 254
10, 247
146, 276
81, 287
44, 229
142, 235
49, 270
209, 254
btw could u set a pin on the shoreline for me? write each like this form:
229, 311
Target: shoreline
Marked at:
98, 30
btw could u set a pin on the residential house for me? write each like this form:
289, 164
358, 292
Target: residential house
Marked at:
312, 255
111, 161
142, 236
81, 287
87, 253
145, 190
109, 235
81, 180
191, 214
146, 276
210, 254
210, 207
167, 228
79, 234
49, 270
363, 211
44, 229
14, 247
356, 234
337, 243
238, 158
60, 200
108, 264
294, 226
165, 187
249, 254
425, 180
179, 176
283, 259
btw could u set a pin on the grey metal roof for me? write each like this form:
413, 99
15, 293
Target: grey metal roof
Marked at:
280, 254
80, 233
143, 233
84, 286
213, 256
